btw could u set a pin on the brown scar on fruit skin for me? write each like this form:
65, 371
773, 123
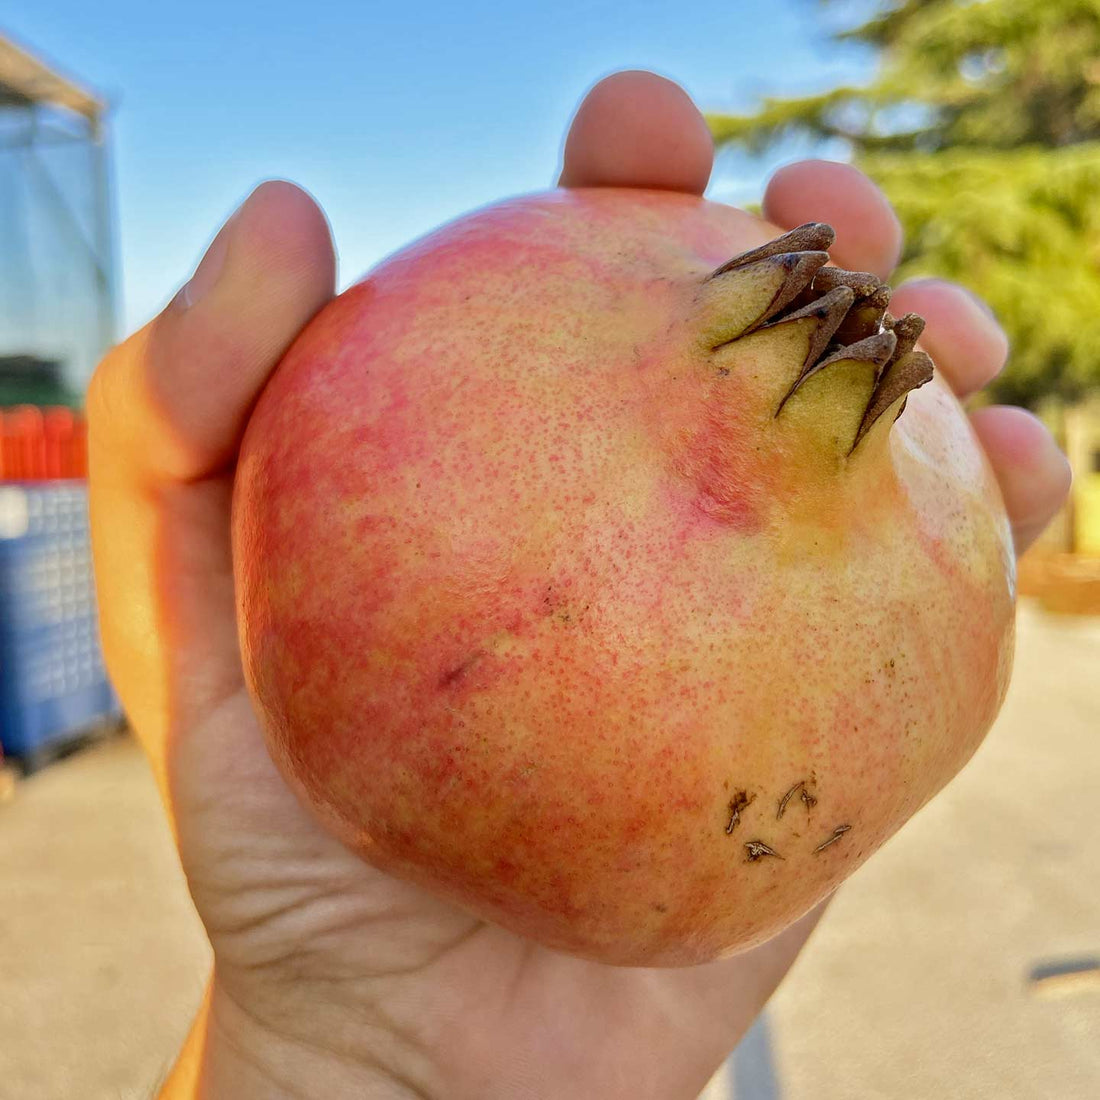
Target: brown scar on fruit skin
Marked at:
782, 809
453, 675
838, 832
739, 802
757, 850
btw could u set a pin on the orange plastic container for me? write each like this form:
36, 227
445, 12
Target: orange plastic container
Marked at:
47, 444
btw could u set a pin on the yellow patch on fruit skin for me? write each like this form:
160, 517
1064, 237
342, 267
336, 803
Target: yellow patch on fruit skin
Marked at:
379, 661
294, 580
504, 643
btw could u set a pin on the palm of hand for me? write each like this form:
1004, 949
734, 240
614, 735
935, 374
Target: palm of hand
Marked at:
318, 956
309, 937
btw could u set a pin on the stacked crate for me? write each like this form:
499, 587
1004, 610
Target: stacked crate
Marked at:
53, 686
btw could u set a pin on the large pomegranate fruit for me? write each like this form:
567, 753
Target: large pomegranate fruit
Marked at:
586, 579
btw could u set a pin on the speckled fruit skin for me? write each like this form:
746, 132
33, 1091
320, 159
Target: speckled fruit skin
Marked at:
532, 597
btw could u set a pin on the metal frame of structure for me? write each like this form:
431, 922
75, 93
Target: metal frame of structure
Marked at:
40, 107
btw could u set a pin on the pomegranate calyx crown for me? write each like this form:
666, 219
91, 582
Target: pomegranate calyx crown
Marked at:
785, 282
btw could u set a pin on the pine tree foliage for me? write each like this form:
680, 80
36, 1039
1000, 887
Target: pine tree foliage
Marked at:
983, 126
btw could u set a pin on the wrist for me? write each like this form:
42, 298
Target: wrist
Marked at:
232, 1055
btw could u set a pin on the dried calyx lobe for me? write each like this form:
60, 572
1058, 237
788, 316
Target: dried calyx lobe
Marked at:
849, 311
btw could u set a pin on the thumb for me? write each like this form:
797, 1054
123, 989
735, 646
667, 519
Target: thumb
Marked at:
175, 397
165, 413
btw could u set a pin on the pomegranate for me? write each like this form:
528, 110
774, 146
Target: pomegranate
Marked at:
595, 581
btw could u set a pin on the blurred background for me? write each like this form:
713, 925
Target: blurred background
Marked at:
964, 960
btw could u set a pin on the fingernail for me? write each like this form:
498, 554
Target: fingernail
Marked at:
210, 267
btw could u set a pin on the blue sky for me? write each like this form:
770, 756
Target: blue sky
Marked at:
396, 116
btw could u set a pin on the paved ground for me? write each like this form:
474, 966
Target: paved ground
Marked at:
915, 987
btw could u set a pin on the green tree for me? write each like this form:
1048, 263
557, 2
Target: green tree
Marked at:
982, 124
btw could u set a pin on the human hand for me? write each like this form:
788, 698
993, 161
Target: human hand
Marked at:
331, 978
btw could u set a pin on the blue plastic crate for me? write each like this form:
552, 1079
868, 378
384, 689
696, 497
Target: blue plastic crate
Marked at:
52, 680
